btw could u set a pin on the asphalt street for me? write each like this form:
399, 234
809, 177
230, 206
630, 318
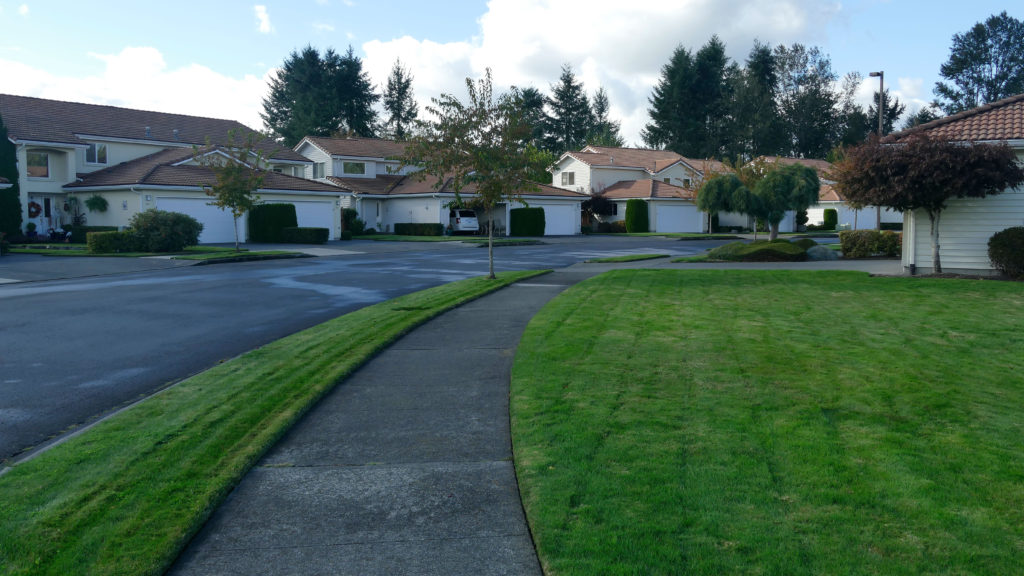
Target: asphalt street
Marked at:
74, 350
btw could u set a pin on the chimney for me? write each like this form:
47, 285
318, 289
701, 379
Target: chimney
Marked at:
149, 134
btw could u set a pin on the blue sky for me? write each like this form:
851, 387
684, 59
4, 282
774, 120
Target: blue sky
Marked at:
213, 58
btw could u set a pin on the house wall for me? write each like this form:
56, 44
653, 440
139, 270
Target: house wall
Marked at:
117, 152
863, 219
964, 229
601, 178
316, 155
581, 178
415, 209
678, 174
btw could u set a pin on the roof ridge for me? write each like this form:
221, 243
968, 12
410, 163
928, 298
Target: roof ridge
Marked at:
112, 107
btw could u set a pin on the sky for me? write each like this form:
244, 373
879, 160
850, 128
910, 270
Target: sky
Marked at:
215, 58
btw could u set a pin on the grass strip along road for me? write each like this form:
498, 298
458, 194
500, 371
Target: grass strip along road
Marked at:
734, 422
127, 495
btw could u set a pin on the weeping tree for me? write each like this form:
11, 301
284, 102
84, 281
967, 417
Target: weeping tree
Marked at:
478, 143
779, 190
923, 173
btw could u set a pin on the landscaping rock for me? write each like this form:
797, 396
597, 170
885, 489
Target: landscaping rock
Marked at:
821, 253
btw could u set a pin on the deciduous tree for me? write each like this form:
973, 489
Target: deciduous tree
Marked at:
924, 173
238, 175
985, 64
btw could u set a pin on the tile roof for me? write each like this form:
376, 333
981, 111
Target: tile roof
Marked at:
646, 189
822, 167
1000, 120
708, 165
427, 184
648, 159
159, 169
42, 120
382, 184
828, 194
361, 147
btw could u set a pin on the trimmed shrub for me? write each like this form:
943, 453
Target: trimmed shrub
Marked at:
760, 251
1006, 251
79, 233
266, 221
806, 243
527, 222
5, 246
637, 219
868, 243
350, 221
346, 234
614, 227
831, 219
161, 231
297, 235
419, 228
112, 242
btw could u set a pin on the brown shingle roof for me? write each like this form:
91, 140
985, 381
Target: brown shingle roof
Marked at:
646, 189
361, 147
822, 167
412, 184
382, 184
1000, 120
159, 169
650, 160
828, 194
42, 120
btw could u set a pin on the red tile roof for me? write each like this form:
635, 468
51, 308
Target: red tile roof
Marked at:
828, 194
42, 120
361, 147
646, 189
159, 169
997, 121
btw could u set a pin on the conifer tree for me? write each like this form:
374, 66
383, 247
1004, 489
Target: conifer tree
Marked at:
10, 199
569, 117
399, 102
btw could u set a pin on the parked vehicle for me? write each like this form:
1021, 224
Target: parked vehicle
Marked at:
462, 220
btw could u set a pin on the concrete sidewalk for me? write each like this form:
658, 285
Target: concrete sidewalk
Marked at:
404, 468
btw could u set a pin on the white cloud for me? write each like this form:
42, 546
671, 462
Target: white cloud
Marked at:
138, 77
23, 10
264, 19
322, 27
620, 46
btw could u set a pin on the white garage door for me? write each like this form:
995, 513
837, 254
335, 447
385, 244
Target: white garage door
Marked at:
560, 220
312, 214
677, 218
217, 223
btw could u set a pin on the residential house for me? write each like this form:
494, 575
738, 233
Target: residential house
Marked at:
139, 159
385, 193
968, 223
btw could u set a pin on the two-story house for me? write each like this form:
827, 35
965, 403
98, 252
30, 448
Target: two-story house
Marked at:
136, 160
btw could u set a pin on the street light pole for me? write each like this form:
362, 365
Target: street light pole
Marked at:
881, 114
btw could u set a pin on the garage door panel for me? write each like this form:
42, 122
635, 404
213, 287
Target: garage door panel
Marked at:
559, 220
218, 225
313, 214
677, 218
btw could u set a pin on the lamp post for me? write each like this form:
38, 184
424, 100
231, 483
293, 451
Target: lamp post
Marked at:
881, 115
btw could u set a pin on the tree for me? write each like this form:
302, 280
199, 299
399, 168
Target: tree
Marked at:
893, 110
477, 143
237, 174
569, 118
985, 64
808, 104
531, 105
605, 131
923, 173
10, 199
922, 116
314, 95
757, 128
762, 190
399, 102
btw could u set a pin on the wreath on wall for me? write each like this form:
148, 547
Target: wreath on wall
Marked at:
34, 209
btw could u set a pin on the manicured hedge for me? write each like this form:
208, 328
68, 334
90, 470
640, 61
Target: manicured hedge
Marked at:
419, 228
613, 227
79, 233
759, 251
1006, 251
526, 222
112, 242
266, 221
297, 235
637, 219
868, 243
831, 219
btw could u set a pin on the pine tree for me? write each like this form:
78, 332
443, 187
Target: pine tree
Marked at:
668, 102
356, 96
809, 105
399, 102
10, 199
531, 103
605, 131
569, 118
757, 127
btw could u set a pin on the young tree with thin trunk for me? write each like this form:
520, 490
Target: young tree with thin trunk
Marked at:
924, 173
478, 143
238, 175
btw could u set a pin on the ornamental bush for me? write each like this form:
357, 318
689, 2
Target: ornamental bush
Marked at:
831, 219
162, 231
80, 233
1006, 251
526, 222
419, 228
350, 221
299, 235
266, 221
112, 242
637, 219
868, 243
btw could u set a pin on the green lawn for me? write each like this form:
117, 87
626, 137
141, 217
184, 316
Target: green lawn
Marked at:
626, 258
127, 495
734, 422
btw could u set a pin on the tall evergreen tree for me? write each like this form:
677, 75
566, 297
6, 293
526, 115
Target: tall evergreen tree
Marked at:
668, 102
757, 127
893, 110
605, 131
531, 104
399, 102
923, 116
314, 95
10, 199
985, 64
569, 117
809, 105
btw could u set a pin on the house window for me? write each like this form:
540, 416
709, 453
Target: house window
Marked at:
687, 183
38, 165
96, 154
278, 170
319, 169
568, 178
298, 171
667, 180
353, 167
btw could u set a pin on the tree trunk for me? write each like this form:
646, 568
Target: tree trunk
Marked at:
773, 231
490, 243
235, 220
936, 263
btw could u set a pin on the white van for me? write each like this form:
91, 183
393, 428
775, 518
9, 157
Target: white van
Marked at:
462, 220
